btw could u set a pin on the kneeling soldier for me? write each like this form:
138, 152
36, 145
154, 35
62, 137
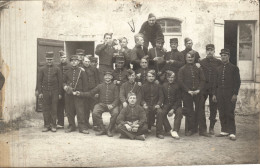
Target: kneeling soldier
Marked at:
132, 120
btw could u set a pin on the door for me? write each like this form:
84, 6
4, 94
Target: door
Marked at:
43, 46
245, 50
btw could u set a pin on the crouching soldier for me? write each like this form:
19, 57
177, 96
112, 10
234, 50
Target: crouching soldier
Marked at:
191, 79
108, 101
172, 105
75, 81
152, 99
49, 88
132, 120
225, 93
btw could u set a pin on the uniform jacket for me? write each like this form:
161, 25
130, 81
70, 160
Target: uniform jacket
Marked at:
152, 94
92, 77
155, 52
138, 52
49, 79
172, 95
127, 55
178, 61
76, 78
209, 67
143, 72
197, 55
151, 32
228, 77
105, 54
128, 87
64, 67
132, 113
120, 75
191, 78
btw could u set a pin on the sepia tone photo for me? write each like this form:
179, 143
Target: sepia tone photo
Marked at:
129, 83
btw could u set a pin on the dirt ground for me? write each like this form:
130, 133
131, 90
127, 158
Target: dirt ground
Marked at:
28, 147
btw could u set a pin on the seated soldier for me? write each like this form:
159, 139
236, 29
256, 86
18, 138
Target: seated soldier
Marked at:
172, 104
130, 87
152, 99
108, 102
132, 120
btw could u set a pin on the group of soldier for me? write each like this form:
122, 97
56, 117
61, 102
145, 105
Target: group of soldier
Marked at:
140, 88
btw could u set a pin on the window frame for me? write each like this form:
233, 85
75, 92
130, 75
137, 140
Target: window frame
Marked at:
173, 19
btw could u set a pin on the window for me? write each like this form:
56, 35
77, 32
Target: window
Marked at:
171, 26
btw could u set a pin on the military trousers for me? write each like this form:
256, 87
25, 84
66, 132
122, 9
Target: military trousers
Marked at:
131, 135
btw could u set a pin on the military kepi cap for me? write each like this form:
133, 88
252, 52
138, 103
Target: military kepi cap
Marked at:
210, 46
49, 55
160, 39
151, 15
108, 73
174, 40
80, 52
74, 57
62, 53
225, 51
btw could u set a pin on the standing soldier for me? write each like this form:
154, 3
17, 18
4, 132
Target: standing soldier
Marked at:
191, 79
49, 88
75, 80
141, 73
105, 52
225, 93
171, 105
120, 73
152, 99
174, 59
139, 51
80, 53
125, 51
151, 30
64, 67
209, 66
188, 47
108, 101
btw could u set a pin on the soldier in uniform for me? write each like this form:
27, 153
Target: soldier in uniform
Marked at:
105, 52
141, 73
125, 51
139, 51
120, 73
209, 66
152, 99
188, 47
151, 30
80, 53
130, 86
49, 88
64, 67
75, 80
174, 59
172, 105
225, 93
108, 102
132, 120
192, 80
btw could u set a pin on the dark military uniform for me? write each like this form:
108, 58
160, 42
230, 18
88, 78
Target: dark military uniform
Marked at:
131, 114
172, 100
209, 66
64, 67
2, 80
138, 52
126, 52
197, 56
152, 95
128, 87
50, 85
120, 74
192, 78
227, 84
156, 65
143, 72
74, 105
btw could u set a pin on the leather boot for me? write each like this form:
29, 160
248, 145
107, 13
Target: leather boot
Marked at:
109, 131
102, 131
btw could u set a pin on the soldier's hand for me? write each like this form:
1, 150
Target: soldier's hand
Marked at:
159, 73
164, 49
191, 92
234, 98
138, 75
65, 88
145, 106
198, 65
171, 112
156, 82
40, 95
139, 83
110, 106
172, 61
214, 99
115, 81
196, 92
96, 95
146, 56
60, 96
157, 106
128, 127
77, 93
134, 129
156, 58
125, 104
118, 82
168, 62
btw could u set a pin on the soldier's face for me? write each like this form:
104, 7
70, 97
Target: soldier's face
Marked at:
151, 21
140, 41
144, 63
190, 59
131, 78
74, 62
49, 61
210, 52
150, 77
225, 58
63, 59
132, 100
108, 78
189, 44
86, 62
174, 46
107, 38
171, 78
159, 45
94, 64
120, 64
123, 43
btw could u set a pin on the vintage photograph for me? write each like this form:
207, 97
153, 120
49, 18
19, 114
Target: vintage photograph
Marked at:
129, 83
